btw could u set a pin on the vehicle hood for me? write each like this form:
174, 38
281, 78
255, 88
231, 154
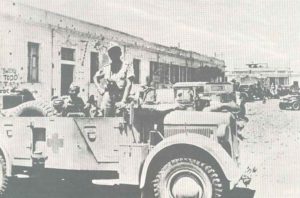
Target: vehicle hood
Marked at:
289, 97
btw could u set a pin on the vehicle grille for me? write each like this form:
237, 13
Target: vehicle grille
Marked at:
170, 130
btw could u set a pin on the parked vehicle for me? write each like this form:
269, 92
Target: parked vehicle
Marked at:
156, 149
283, 90
199, 95
253, 91
290, 102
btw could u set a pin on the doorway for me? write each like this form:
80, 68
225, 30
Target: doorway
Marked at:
66, 78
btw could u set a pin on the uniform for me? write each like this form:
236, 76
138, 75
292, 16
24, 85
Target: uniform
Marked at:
115, 85
73, 103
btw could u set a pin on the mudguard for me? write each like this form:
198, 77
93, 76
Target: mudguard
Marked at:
229, 167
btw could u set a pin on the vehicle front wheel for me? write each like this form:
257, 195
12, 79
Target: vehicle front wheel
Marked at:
3, 177
296, 106
187, 177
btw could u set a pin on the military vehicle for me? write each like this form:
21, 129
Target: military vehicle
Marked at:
290, 102
253, 91
160, 150
200, 95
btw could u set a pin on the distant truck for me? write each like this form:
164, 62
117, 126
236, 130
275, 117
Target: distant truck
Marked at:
159, 150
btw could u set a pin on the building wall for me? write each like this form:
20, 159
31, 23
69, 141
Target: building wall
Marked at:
22, 24
14, 55
278, 76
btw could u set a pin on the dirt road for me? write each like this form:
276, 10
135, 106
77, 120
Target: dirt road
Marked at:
272, 145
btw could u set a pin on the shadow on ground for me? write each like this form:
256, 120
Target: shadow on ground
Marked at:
241, 193
66, 189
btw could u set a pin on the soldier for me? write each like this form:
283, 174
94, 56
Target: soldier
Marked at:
74, 104
242, 111
119, 77
147, 93
294, 89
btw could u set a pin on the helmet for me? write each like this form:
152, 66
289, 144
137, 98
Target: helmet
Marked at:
74, 89
58, 102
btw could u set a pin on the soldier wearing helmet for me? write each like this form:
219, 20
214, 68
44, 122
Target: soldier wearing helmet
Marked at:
73, 104
118, 76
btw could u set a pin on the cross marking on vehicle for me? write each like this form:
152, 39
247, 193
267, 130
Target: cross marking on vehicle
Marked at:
55, 143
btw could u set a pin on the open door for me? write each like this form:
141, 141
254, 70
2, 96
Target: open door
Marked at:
67, 72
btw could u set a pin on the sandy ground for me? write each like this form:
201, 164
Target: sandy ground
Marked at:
271, 145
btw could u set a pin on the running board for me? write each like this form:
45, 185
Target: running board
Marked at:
106, 182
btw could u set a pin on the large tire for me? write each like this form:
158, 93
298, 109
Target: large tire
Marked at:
296, 105
30, 109
3, 177
188, 177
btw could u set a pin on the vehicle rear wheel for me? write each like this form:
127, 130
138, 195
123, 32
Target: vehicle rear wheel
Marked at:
188, 177
3, 177
296, 106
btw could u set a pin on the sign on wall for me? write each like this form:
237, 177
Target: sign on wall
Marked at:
9, 79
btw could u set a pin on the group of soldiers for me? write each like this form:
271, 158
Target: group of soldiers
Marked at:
118, 77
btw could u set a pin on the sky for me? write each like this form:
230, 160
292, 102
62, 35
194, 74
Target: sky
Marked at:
237, 31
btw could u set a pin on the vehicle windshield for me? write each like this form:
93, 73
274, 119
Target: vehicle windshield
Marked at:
244, 87
184, 94
200, 90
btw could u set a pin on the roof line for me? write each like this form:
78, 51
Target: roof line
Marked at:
117, 31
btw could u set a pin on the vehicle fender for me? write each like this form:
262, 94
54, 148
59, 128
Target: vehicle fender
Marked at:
216, 151
7, 160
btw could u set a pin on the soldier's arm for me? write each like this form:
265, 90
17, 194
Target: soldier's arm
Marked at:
97, 78
129, 81
127, 89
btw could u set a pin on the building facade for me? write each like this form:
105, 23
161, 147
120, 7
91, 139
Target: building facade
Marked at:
47, 52
269, 75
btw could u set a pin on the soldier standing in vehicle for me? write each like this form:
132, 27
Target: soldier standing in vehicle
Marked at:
118, 77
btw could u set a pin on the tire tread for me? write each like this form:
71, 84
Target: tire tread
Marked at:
216, 181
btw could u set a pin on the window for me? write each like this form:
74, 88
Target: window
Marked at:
281, 81
182, 74
94, 65
67, 54
154, 71
167, 74
174, 74
161, 73
194, 74
189, 74
33, 62
136, 68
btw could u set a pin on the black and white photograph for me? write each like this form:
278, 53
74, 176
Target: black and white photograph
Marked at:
149, 99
